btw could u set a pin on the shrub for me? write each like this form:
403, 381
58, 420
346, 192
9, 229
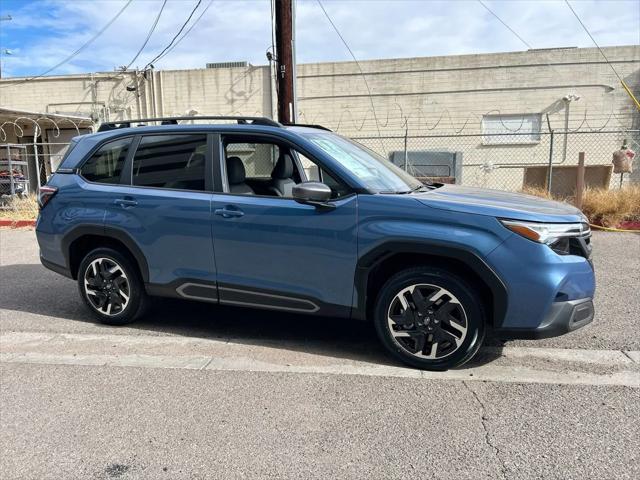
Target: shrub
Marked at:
610, 207
604, 207
19, 208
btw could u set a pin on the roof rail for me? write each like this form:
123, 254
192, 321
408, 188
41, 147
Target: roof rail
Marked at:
174, 121
308, 125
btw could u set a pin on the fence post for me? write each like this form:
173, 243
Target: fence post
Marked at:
406, 140
550, 169
35, 158
579, 181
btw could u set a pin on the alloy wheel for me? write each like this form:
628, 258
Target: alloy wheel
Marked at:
106, 286
427, 321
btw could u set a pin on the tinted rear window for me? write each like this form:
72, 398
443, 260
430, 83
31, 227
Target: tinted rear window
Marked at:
106, 164
171, 161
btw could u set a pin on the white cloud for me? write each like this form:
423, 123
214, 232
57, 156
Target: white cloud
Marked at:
45, 32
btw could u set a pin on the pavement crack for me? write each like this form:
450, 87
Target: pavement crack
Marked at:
626, 354
487, 435
204, 367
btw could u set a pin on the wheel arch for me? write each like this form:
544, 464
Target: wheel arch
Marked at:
375, 267
79, 241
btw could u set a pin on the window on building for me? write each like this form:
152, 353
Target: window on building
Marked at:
171, 161
105, 166
511, 129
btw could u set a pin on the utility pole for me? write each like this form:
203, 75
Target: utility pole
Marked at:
285, 61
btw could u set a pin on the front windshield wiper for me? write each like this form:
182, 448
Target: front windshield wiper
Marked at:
403, 192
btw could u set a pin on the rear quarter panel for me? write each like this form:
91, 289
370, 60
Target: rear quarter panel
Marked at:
76, 203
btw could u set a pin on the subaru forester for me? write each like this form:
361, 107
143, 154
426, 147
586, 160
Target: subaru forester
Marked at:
300, 219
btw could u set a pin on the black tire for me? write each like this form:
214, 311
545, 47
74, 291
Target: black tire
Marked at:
137, 301
411, 326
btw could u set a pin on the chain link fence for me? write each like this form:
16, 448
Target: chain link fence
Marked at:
511, 161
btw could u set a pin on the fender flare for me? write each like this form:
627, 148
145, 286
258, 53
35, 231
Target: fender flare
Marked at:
475, 262
105, 232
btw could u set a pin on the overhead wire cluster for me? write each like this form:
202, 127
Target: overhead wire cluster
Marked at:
76, 52
177, 38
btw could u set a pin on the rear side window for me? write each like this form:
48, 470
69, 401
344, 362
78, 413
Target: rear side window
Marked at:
106, 164
171, 161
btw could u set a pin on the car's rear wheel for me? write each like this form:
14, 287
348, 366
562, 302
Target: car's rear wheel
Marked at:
111, 287
429, 318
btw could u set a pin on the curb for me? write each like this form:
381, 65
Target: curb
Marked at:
17, 223
629, 225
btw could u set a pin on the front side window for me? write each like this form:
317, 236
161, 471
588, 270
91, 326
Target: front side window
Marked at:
258, 159
260, 167
375, 172
171, 161
106, 164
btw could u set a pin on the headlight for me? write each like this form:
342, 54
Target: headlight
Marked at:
556, 235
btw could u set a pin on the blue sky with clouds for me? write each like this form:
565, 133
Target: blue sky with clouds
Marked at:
43, 32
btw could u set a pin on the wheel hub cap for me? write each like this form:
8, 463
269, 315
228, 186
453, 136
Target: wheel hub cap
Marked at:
107, 286
427, 321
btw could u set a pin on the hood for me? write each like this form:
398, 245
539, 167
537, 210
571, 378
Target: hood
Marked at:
497, 203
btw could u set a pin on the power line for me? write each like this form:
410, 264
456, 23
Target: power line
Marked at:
74, 54
146, 40
624, 85
592, 39
373, 108
505, 24
186, 33
175, 36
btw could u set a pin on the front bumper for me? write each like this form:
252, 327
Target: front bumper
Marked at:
563, 317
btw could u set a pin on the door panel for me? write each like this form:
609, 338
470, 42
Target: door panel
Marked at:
167, 211
171, 227
278, 253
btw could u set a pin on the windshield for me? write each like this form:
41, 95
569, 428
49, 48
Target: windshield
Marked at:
375, 172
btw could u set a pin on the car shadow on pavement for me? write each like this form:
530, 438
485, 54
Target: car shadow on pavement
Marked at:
31, 288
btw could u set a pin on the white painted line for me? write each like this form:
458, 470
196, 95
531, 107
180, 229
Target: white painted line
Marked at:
141, 361
153, 361
24, 339
487, 373
600, 357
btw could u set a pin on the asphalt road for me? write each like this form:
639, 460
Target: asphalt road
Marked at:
195, 391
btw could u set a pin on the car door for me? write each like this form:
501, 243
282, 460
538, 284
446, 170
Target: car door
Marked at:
273, 252
166, 209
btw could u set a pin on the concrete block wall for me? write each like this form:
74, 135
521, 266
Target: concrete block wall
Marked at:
429, 96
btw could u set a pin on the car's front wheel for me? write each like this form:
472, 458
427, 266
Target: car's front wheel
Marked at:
429, 318
111, 287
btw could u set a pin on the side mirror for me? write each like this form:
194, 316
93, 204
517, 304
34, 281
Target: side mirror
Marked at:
313, 193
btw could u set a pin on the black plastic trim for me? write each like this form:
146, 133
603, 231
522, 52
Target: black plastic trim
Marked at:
62, 270
105, 232
251, 298
240, 295
563, 317
374, 257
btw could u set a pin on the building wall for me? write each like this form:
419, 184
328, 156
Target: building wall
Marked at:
416, 97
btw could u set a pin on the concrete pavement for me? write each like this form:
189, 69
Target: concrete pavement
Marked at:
201, 392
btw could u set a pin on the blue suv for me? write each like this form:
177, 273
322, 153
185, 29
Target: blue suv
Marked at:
249, 212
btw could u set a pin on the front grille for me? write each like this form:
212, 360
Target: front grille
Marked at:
580, 246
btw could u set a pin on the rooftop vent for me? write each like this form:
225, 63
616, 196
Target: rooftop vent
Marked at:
227, 64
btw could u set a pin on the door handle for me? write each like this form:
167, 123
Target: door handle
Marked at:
125, 202
228, 212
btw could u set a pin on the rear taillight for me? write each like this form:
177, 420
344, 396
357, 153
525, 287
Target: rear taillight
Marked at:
46, 193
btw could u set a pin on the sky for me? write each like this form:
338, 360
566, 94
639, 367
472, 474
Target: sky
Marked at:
44, 32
